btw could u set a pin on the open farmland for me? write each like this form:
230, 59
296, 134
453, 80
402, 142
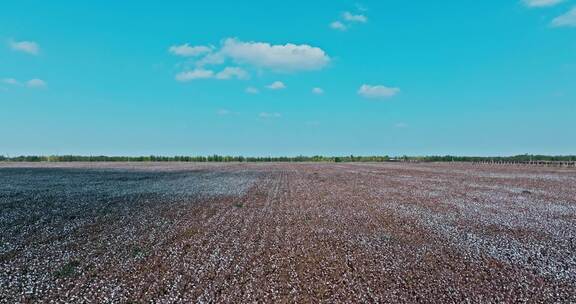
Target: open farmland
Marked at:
293, 232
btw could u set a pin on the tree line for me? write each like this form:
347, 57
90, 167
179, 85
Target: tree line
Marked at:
210, 158
515, 158
317, 158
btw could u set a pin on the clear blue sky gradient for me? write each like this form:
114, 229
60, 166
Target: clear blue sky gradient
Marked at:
486, 77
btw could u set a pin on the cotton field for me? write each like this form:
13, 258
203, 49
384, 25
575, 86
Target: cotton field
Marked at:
292, 232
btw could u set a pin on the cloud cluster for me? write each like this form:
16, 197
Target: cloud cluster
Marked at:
255, 55
28, 47
377, 91
347, 20
236, 57
31, 48
34, 83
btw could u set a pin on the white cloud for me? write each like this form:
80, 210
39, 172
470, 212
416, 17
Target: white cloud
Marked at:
232, 72
252, 90
541, 3
211, 59
288, 57
260, 55
32, 83
377, 91
227, 73
338, 25
568, 19
347, 20
318, 91
223, 112
36, 83
29, 47
354, 18
226, 112
11, 81
401, 125
276, 85
185, 50
267, 115
361, 7
194, 75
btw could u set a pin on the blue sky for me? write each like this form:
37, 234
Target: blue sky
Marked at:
493, 77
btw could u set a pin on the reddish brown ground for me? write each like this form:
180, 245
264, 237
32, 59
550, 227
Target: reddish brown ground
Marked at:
287, 233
